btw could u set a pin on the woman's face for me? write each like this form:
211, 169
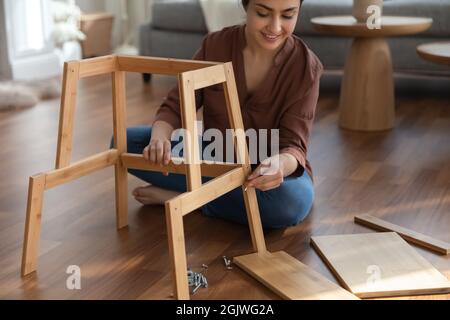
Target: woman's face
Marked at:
271, 22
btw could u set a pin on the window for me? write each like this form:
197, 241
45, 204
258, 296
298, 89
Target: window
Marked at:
28, 25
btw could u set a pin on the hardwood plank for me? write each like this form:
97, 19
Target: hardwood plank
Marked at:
365, 171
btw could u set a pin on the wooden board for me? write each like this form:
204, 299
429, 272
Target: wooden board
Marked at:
290, 278
417, 238
379, 265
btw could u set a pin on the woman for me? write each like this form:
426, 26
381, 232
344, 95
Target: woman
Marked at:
277, 78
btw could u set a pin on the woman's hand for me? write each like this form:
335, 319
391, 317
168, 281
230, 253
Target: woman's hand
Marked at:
268, 175
158, 151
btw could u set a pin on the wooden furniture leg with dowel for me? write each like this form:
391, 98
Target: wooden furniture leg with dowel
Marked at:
279, 271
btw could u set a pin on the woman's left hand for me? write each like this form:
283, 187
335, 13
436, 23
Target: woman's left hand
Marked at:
268, 175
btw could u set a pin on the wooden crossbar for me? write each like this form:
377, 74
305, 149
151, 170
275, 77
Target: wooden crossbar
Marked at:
190, 201
81, 168
208, 76
165, 66
176, 165
97, 66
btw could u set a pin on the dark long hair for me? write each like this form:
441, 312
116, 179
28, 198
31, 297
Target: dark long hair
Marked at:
245, 3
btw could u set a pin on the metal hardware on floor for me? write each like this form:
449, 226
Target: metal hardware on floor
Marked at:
196, 280
227, 263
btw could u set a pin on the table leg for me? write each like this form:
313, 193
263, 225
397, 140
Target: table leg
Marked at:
367, 92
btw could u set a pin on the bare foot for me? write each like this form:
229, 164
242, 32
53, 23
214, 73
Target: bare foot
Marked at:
152, 195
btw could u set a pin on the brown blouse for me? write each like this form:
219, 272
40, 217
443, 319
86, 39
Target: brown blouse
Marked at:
285, 100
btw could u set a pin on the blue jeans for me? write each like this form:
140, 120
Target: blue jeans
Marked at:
284, 206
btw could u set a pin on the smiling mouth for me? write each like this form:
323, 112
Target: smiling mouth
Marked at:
270, 37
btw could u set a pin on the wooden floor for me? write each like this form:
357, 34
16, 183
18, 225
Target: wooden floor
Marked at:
402, 176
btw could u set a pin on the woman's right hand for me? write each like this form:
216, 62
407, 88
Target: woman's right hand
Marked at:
158, 151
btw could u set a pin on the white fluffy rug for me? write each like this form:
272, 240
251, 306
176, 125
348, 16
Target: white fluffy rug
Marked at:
25, 94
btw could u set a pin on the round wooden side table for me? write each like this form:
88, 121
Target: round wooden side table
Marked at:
367, 101
438, 52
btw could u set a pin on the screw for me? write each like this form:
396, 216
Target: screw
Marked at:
196, 288
204, 281
227, 263
190, 276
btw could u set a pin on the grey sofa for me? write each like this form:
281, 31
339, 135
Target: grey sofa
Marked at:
178, 27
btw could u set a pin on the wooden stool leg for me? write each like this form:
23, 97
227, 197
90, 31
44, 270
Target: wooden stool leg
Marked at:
30, 250
177, 250
254, 220
120, 141
67, 114
235, 119
367, 93
121, 180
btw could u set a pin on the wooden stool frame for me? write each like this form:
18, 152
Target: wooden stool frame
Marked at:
192, 75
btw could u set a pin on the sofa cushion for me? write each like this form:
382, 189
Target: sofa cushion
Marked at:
436, 9
178, 15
